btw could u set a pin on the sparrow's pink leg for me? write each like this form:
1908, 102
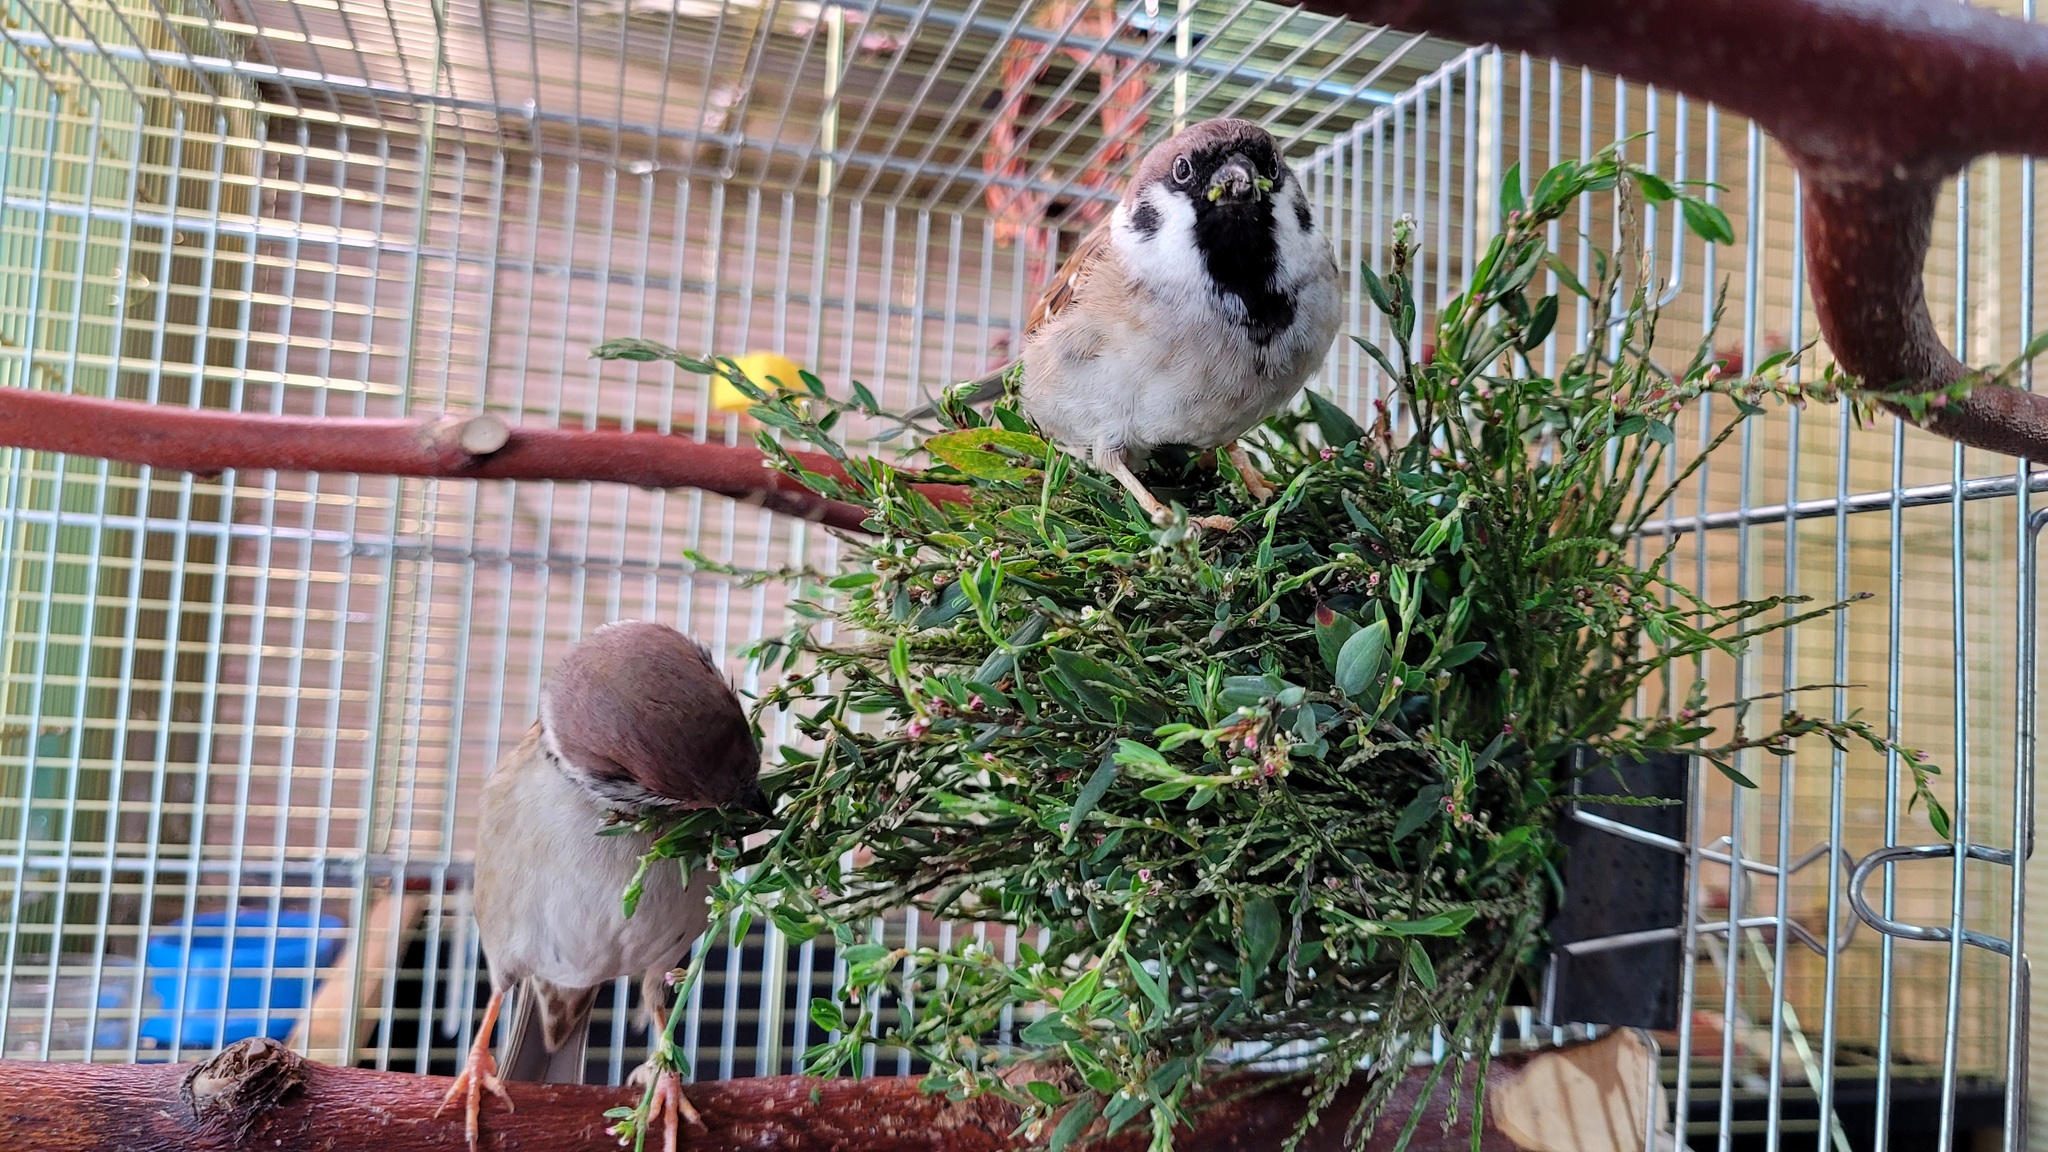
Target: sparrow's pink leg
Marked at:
1254, 481
1114, 464
480, 1075
670, 1104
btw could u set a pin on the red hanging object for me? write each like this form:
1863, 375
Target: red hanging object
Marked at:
1021, 213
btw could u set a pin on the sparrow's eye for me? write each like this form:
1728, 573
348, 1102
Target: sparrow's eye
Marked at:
1183, 171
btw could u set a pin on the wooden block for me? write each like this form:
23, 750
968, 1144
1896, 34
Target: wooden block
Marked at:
359, 973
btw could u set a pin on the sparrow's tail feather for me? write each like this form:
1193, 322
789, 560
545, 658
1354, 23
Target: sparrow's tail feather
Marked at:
976, 391
550, 1032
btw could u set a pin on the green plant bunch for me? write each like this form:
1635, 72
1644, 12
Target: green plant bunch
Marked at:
1282, 791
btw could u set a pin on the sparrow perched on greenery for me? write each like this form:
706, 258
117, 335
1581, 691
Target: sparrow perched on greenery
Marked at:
1198, 309
636, 718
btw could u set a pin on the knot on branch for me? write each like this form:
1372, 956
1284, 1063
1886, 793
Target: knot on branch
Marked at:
233, 1091
458, 441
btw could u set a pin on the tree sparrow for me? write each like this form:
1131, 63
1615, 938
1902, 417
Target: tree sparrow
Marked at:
636, 718
1198, 309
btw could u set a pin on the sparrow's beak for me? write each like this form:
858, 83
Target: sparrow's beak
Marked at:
1237, 182
756, 801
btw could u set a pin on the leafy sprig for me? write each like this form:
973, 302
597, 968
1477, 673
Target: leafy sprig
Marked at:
1283, 792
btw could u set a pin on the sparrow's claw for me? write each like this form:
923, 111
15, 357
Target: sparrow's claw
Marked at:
480, 1077
670, 1106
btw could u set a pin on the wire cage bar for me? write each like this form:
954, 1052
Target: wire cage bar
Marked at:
247, 715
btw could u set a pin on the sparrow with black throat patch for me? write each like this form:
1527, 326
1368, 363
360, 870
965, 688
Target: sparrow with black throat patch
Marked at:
636, 719
1197, 309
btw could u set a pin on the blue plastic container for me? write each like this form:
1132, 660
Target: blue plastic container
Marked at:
288, 951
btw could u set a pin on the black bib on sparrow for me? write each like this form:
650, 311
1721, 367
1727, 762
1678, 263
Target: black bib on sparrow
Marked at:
1235, 237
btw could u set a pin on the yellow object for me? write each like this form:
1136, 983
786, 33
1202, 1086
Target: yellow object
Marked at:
766, 370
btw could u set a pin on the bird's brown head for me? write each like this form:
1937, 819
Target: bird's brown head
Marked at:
641, 715
1221, 164
1215, 207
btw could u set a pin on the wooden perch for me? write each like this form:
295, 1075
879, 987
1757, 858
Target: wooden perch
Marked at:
258, 1094
1877, 101
479, 447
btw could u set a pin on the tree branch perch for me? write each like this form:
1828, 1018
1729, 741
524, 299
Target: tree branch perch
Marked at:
258, 1094
478, 447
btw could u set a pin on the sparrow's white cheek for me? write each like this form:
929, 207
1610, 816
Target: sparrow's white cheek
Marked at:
1156, 239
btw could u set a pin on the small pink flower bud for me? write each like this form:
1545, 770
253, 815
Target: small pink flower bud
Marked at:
1329, 453
916, 729
1145, 874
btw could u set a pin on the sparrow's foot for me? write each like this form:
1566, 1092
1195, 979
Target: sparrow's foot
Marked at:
479, 1077
670, 1106
1115, 466
1254, 480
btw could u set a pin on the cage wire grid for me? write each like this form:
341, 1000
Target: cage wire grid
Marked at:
269, 693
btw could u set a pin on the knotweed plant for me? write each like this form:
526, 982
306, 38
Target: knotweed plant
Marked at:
1290, 788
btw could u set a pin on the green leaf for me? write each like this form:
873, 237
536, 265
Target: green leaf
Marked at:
1246, 691
1135, 755
1001, 663
1729, 771
1376, 290
1565, 276
1659, 431
1261, 930
1154, 990
827, 1015
1418, 962
1420, 811
1332, 633
1081, 992
1336, 425
986, 453
1045, 1093
793, 924
1075, 1122
860, 954
1654, 188
1361, 660
1541, 321
1511, 190
1706, 221
1771, 361
1171, 790
1049, 1029
852, 580
1458, 654
1554, 188
1091, 793
1937, 818
1448, 922
1379, 357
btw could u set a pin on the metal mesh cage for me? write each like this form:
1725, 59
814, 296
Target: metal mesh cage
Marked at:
256, 707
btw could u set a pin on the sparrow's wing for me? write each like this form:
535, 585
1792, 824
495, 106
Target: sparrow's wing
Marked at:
550, 1032
1067, 283
1057, 296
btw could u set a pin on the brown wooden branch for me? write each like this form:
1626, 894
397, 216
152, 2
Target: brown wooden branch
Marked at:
258, 1094
480, 447
1877, 101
